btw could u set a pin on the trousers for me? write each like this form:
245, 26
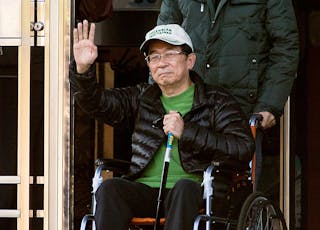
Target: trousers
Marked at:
118, 200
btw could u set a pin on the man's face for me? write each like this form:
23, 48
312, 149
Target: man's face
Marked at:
168, 65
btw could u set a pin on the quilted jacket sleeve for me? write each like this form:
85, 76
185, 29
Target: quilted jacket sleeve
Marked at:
227, 139
112, 106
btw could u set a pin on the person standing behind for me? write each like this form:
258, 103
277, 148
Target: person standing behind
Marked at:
249, 47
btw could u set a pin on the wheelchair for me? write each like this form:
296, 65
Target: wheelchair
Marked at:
256, 212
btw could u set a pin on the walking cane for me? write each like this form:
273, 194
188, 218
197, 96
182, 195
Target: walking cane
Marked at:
163, 178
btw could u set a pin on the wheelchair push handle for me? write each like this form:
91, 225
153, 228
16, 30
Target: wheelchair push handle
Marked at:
255, 123
256, 163
255, 120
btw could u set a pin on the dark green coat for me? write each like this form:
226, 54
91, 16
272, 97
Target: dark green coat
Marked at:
250, 47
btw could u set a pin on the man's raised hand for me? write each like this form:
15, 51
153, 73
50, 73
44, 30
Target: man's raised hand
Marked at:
85, 51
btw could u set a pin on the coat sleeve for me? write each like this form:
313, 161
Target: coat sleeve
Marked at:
115, 107
283, 57
227, 139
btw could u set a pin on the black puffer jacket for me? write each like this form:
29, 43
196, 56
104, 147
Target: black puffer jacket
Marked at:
214, 129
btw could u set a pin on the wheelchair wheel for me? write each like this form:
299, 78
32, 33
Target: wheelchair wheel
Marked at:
258, 212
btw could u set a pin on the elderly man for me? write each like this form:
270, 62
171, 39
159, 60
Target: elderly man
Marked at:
207, 124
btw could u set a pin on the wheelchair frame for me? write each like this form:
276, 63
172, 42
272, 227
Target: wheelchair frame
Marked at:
258, 212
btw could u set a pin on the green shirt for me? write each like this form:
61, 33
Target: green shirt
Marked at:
152, 174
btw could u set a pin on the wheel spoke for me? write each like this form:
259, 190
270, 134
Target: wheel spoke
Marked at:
258, 213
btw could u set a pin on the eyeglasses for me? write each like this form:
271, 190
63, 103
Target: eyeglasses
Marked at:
167, 56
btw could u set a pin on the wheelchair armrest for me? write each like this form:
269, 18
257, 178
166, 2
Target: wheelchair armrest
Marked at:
85, 220
230, 167
115, 165
228, 171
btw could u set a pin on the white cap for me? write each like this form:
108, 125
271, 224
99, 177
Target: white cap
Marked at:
170, 33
